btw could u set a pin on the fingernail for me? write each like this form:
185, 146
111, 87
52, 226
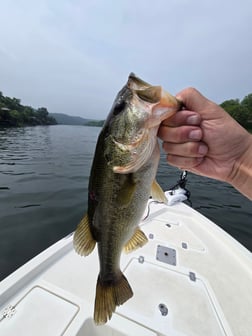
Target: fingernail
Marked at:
203, 149
195, 134
193, 120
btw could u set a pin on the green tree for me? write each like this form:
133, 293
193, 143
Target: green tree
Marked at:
28, 114
4, 115
238, 111
13, 113
16, 118
42, 114
247, 103
12, 103
51, 121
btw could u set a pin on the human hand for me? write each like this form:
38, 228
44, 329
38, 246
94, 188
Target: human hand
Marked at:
206, 140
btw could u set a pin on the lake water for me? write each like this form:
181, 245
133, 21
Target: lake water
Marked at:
43, 191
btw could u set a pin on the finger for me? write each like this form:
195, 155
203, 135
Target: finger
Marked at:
180, 134
183, 117
188, 149
182, 162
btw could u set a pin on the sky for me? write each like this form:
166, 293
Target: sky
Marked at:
73, 56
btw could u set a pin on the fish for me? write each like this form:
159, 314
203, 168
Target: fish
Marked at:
121, 181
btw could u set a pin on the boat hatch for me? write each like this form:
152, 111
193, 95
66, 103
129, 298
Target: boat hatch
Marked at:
39, 307
117, 326
171, 301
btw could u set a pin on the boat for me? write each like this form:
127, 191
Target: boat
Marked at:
191, 278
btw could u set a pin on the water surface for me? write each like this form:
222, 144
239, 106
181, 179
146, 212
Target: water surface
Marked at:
43, 191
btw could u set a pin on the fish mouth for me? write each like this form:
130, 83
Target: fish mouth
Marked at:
162, 103
136, 83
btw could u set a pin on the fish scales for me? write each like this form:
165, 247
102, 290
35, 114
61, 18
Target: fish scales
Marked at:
121, 181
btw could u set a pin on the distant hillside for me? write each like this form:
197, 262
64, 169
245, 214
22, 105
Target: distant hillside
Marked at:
97, 123
65, 119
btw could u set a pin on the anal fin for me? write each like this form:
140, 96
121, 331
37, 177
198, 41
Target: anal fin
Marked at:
83, 240
138, 239
157, 193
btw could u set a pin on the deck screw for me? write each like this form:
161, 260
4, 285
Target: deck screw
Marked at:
163, 309
141, 259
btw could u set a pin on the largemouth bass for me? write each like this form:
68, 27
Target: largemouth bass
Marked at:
121, 181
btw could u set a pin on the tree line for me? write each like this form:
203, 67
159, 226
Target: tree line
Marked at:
14, 114
240, 110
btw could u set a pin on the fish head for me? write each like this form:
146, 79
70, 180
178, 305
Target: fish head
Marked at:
154, 100
133, 122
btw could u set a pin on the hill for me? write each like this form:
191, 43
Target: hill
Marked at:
65, 119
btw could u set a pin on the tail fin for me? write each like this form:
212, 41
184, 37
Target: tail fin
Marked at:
108, 296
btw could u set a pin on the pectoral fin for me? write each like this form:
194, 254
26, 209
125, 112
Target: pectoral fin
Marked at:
83, 240
138, 239
157, 193
127, 191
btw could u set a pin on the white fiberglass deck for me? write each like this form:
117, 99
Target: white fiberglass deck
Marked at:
190, 279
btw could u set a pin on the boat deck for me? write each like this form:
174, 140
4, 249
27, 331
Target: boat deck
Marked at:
192, 278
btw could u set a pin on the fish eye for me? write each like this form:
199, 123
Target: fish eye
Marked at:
119, 106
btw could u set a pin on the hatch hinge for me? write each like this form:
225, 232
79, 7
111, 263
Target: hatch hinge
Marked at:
192, 276
8, 312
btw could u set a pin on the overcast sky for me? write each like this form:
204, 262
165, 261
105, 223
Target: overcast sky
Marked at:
73, 56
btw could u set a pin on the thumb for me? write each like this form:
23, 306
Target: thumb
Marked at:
193, 100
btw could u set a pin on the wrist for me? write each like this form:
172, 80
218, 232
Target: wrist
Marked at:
241, 176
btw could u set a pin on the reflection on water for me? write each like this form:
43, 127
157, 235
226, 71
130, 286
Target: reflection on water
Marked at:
43, 191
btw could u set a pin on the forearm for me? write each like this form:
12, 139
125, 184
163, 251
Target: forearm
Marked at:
241, 178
